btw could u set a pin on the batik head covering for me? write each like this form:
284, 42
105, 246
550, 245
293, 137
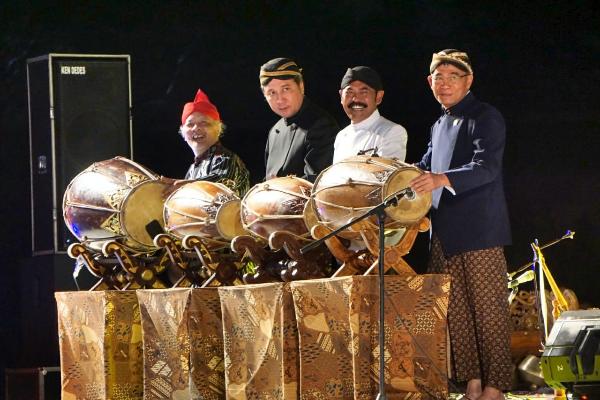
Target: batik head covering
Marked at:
458, 58
279, 68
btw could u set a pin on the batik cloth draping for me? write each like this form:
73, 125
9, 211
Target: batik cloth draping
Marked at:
100, 345
338, 328
164, 316
260, 342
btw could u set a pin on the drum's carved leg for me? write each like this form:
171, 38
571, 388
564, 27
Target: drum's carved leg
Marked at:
352, 262
312, 265
144, 276
393, 254
219, 269
268, 264
108, 277
189, 275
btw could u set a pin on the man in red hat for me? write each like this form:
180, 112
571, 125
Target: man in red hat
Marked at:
201, 128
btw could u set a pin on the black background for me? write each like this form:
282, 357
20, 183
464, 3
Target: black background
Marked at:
537, 62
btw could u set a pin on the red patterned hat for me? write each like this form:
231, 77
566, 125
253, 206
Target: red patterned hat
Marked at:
202, 105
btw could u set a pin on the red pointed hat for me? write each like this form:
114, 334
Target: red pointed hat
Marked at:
202, 105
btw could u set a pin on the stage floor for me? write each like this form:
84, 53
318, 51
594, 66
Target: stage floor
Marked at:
513, 396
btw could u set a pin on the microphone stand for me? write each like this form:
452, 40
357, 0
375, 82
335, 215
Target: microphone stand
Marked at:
379, 211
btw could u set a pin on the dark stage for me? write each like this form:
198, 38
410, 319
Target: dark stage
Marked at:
537, 62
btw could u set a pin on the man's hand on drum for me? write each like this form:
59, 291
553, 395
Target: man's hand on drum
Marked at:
428, 181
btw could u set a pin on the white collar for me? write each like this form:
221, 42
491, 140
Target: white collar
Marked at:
366, 123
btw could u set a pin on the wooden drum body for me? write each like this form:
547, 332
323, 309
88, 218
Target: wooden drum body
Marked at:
115, 199
276, 205
205, 209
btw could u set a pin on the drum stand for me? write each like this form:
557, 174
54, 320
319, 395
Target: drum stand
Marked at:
316, 264
111, 277
187, 273
379, 211
196, 265
143, 273
364, 262
117, 269
269, 264
223, 268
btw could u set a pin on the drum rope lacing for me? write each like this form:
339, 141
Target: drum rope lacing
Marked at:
192, 216
261, 217
349, 182
91, 207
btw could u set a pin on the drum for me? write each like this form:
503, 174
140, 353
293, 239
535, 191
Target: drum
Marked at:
204, 209
116, 199
276, 205
352, 187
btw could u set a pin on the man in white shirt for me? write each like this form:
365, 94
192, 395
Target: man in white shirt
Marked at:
361, 92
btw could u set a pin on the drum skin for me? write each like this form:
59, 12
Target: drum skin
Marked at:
115, 199
352, 187
276, 205
192, 209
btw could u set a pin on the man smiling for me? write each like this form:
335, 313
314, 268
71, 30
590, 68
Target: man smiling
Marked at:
470, 225
301, 142
201, 128
361, 92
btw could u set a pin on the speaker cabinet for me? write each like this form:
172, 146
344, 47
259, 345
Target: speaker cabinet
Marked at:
41, 383
79, 113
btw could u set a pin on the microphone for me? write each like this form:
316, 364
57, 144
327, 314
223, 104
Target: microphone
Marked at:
409, 194
524, 277
406, 193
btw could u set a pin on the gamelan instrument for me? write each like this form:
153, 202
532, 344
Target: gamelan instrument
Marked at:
205, 209
115, 200
276, 205
353, 186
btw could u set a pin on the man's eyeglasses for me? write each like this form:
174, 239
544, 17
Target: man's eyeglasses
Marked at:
450, 80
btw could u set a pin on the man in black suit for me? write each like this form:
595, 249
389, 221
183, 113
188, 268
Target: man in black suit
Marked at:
301, 142
470, 225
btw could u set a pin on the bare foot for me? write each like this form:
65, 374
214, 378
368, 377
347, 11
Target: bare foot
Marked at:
473, 389
491, 393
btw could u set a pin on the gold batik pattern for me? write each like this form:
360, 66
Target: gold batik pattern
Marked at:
345, 312
258, 342
322, 307
100, 345
415, 336
123, 346
206, 345
164, 315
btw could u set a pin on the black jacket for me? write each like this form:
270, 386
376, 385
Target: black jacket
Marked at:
301, 145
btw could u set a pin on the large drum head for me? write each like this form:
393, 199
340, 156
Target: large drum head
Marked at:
309, 216
229, 222
192, 209
276, 205
410, 209
144, 206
